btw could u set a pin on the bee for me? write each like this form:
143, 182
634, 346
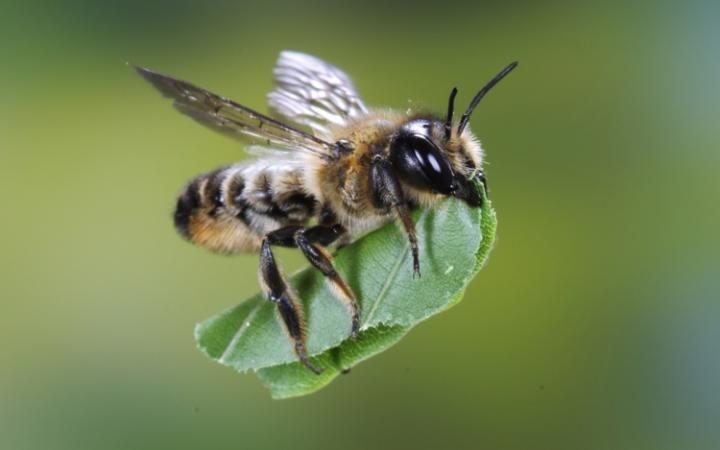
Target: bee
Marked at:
339, 171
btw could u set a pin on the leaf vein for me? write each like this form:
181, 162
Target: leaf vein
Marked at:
392, 275
238, 334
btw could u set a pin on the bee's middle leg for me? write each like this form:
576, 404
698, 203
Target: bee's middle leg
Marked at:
311, 241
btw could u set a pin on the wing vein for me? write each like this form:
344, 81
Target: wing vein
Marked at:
233, 119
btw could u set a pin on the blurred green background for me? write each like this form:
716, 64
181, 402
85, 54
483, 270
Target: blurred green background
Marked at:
596, 324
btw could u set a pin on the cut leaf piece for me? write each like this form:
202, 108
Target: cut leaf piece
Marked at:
294, 379
454, 240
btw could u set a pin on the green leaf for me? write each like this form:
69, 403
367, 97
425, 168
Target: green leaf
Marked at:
454, 240
294, 379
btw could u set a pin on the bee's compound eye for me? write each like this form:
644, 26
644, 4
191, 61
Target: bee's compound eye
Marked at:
421, 164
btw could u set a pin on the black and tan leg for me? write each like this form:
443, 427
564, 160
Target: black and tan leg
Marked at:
277, 291
322, 260
311, 241
388, 193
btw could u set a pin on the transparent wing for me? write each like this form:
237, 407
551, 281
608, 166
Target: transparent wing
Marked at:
233, 119
313, 93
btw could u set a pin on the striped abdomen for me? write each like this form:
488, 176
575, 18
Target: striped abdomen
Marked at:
230, 210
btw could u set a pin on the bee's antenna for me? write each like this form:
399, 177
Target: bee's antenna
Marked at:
466, 117
451, 110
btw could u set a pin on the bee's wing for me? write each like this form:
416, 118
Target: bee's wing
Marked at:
233, 119
313, 93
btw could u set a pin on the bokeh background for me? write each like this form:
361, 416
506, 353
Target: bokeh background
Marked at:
596, 324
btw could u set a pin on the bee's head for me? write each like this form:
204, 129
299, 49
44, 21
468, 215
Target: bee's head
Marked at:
438, 156
420, 160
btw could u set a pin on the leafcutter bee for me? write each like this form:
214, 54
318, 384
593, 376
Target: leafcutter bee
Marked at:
340, 170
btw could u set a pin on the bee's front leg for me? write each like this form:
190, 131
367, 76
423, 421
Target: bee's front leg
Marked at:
387, 192
483, 179
467, 192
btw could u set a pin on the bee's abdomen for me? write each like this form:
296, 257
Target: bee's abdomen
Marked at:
230, 209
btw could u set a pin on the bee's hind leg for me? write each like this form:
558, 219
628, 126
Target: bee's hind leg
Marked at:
277, 291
